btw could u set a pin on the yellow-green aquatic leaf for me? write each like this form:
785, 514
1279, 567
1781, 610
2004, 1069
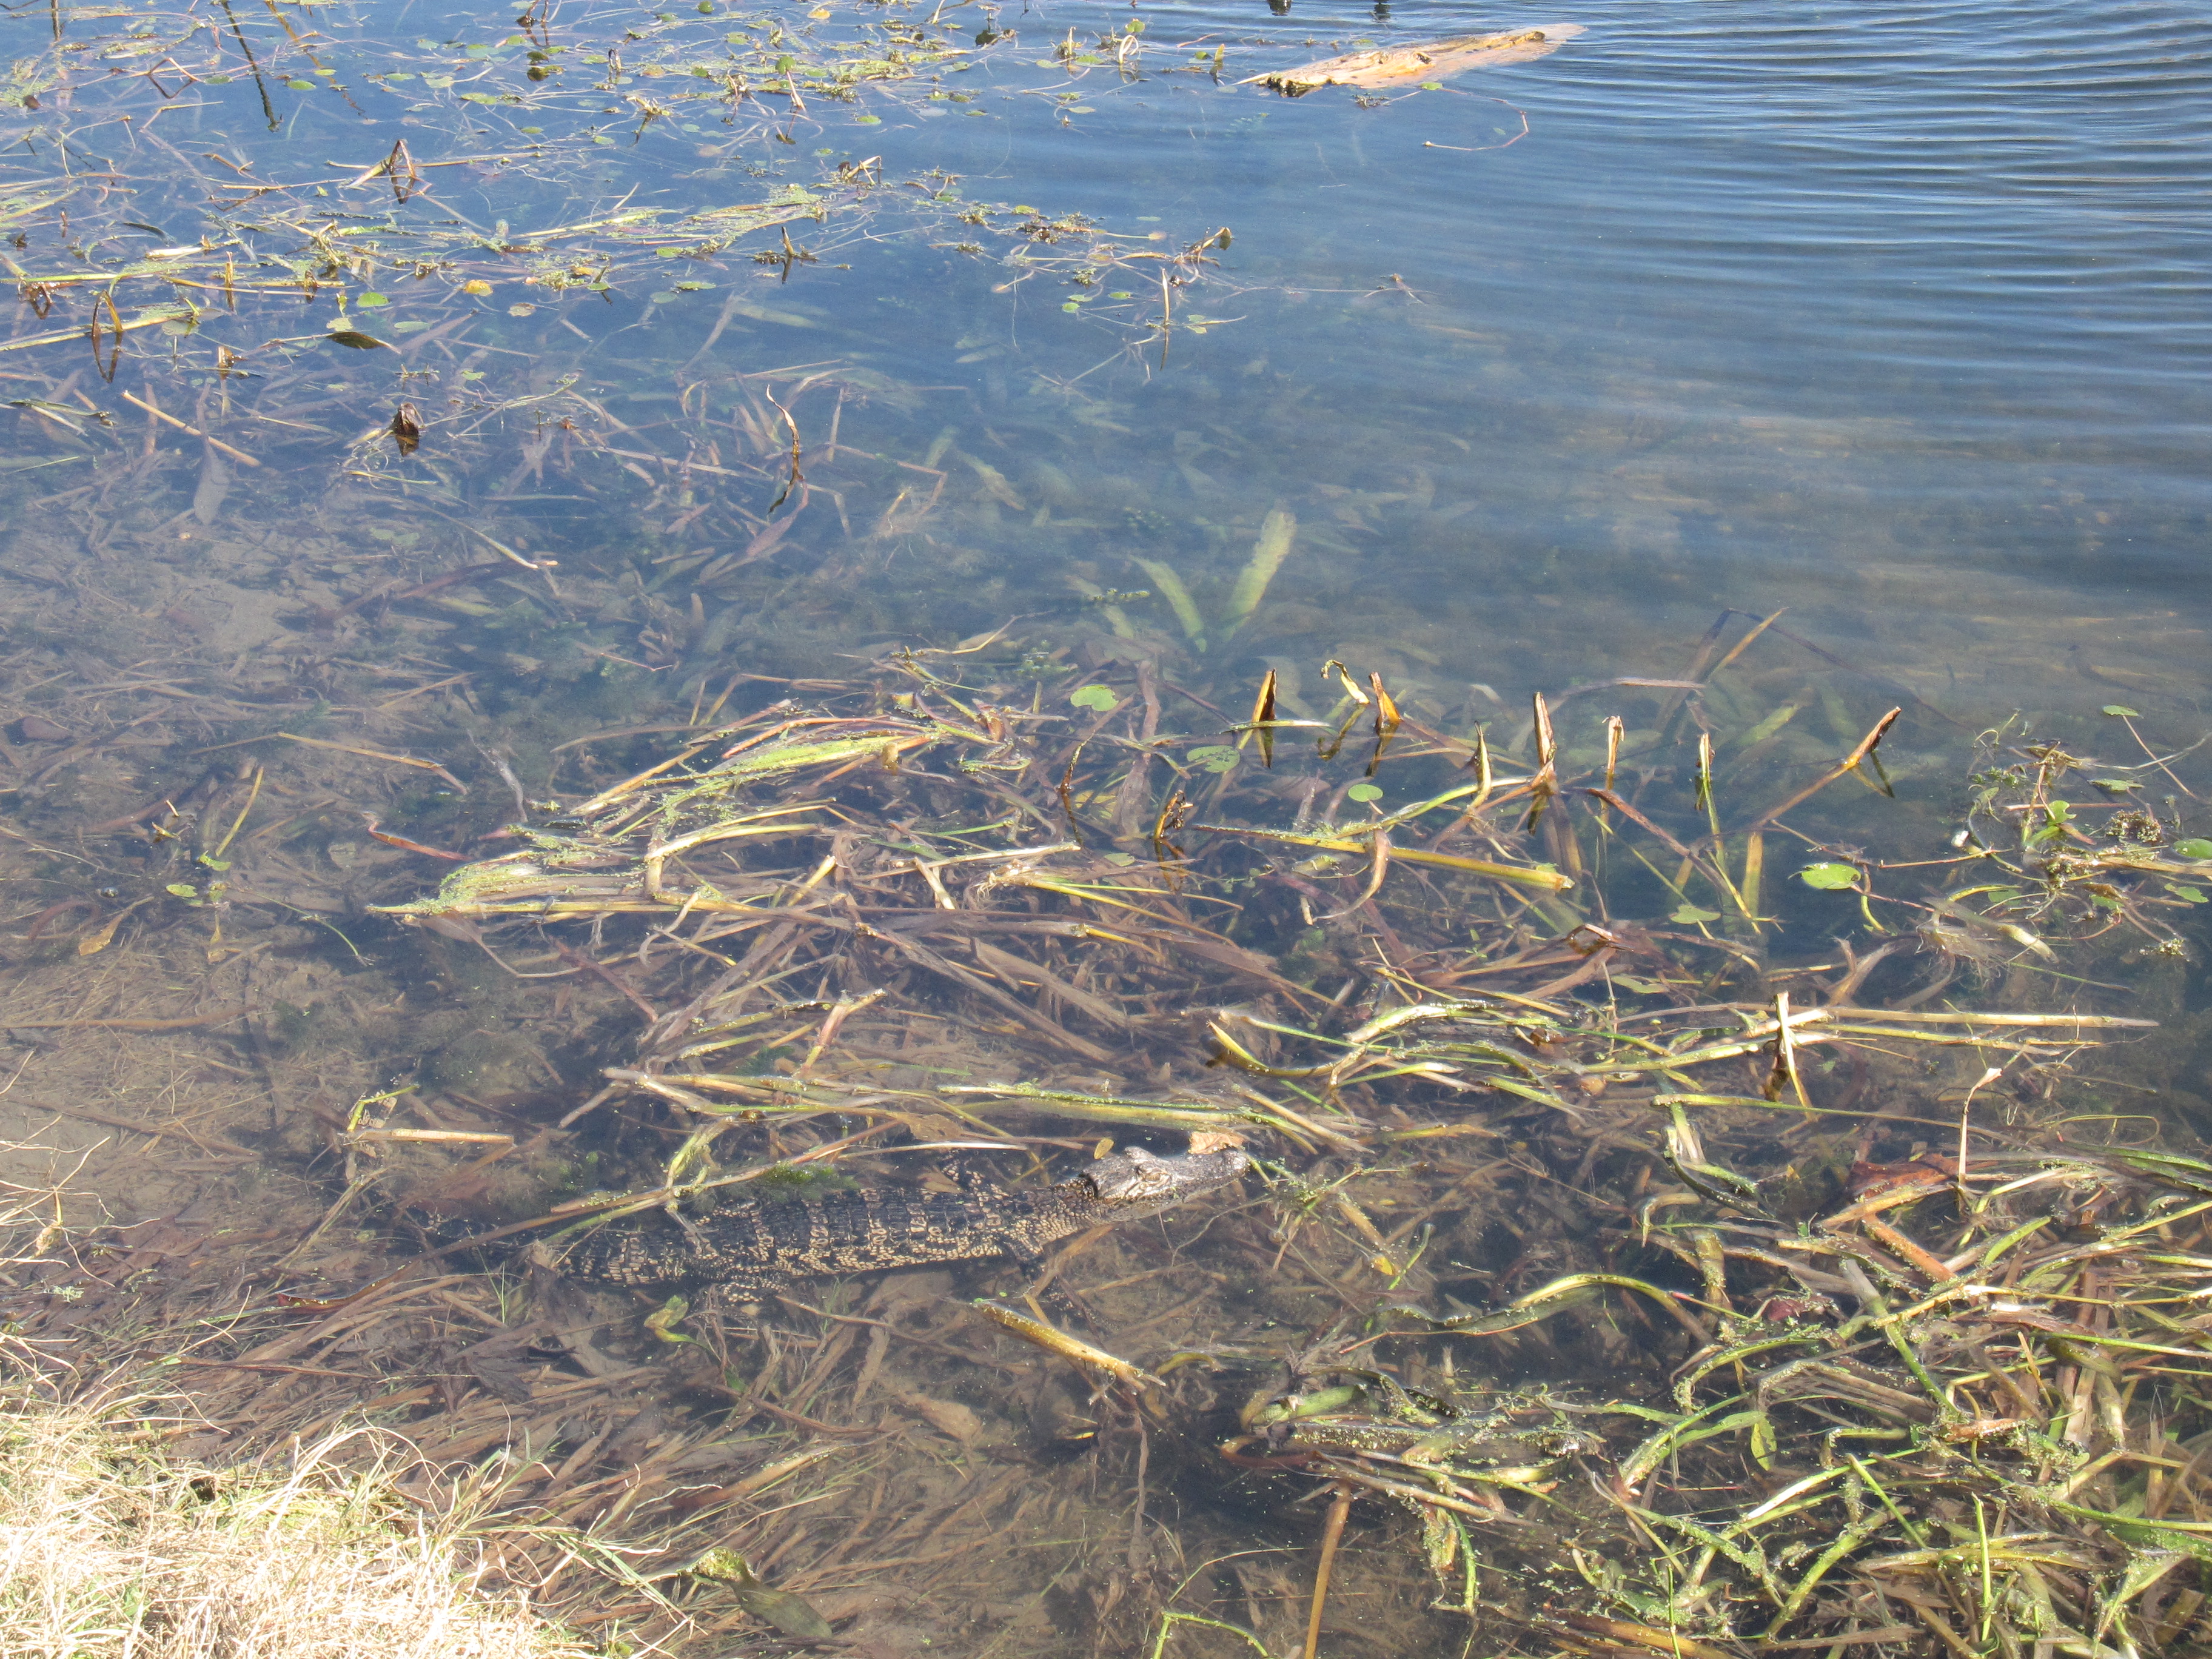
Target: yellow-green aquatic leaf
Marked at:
1763, 1442
1178, 598
1767, 727
1277, 532
1830, 877
664, 1320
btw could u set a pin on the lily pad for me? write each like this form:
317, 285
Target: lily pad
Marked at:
1830, 877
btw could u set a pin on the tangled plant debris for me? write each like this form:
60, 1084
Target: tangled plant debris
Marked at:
1709, 1205
1623, 1273
1871, 1354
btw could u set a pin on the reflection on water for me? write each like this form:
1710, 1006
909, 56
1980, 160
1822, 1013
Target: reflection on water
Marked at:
418, 436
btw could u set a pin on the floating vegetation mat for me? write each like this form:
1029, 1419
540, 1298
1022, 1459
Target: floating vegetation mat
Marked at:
501, 174
1615, 1278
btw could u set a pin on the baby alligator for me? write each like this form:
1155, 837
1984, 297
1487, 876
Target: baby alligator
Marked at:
745, 1252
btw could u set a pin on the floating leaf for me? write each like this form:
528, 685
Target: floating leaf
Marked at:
1364, 791
1830, 877
476, 285
1216, 758
2194, 895
2192, 849
357, 339
523, 309
1689, 915
372, 299
2122, 709
1099, 697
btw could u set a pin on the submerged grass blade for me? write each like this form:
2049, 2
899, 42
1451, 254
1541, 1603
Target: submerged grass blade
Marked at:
1178, 598
1277, 532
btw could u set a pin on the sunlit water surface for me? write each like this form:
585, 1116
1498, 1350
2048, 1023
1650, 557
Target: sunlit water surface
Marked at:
1894, 319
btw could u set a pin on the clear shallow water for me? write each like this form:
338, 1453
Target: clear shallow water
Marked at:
1895, 318
1894, 322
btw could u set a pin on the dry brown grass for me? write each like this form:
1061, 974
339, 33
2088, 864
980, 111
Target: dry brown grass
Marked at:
109, 1548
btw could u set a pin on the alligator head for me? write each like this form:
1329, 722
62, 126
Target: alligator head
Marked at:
1139, 1183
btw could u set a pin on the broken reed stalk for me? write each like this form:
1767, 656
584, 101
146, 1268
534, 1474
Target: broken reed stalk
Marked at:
1332, 1534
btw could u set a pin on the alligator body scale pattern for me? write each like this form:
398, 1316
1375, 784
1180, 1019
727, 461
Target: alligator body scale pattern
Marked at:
749, 1250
